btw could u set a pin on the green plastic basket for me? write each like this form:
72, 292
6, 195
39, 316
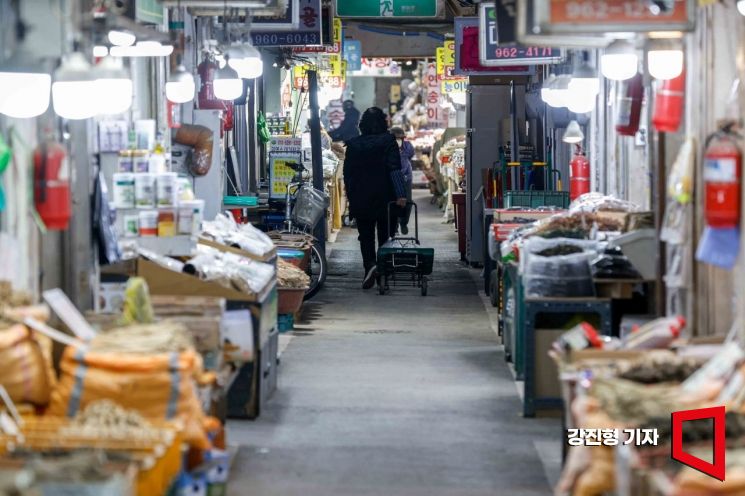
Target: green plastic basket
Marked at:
240, 201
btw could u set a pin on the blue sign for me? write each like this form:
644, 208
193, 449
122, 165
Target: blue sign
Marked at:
307, 33
353, 54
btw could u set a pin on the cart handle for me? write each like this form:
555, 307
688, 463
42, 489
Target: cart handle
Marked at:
416, 220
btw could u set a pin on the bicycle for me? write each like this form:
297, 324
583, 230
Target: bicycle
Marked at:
305, 206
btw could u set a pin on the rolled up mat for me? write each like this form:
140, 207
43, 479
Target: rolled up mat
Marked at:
719, 247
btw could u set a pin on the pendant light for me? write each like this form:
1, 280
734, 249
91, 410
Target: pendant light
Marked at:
560, 91
573, 133
246, 60
665, 59
113, 86
583, 89
741, 6
619, 61
73, 88
180, 87
546, 91
24, 90
121, 38
227, 85
583, 104
142, 49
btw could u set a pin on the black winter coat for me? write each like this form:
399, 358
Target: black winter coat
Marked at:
369, 162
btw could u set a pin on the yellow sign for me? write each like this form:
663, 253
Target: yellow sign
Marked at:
448, 59
337, 30
440, 59
336, 66
454, 85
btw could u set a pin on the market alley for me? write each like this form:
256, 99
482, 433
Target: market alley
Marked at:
398, 394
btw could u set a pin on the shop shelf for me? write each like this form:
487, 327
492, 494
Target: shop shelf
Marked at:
535, 199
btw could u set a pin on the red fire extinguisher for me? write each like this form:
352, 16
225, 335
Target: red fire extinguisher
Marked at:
722, 173
207, 98
668, 107
52, 185
629, 105
579, 178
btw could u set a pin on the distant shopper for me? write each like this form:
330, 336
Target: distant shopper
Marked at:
348, 128
373, 178
407, 153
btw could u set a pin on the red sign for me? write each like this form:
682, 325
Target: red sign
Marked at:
717, 413
614, 12
469, 55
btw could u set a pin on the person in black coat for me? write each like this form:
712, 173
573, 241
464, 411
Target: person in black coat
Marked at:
348, 127
373, 178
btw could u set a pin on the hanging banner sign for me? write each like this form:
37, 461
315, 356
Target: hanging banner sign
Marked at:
333, 48
353, 54
608, 16
494, 54
289, 21
454, 85
308, 31
387, 8
379, 67
300, 77
446, 59
437, 117
467, 60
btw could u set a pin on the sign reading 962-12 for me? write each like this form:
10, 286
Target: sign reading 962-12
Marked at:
492, 54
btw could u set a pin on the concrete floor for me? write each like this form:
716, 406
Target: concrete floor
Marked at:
396, 395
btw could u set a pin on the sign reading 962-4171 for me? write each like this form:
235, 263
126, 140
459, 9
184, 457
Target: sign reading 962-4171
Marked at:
492, 54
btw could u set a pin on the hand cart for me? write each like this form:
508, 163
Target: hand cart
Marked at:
402, 259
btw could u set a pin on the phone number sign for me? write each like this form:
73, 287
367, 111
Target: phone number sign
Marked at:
492, 54
602, 16
307, 33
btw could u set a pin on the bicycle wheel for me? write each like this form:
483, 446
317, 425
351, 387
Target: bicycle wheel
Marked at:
317, 271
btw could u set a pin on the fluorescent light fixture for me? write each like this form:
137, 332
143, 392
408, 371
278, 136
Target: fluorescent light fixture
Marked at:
113, 86
227, 85
74, 88
142, 49
573, 133
619, 61
180, 86
665, 59
24, 87
121, 38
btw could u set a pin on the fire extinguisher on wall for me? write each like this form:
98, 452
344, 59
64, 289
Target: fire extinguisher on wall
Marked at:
579, 178
722, 176
668, 106
629, 106
52, 185
206, 97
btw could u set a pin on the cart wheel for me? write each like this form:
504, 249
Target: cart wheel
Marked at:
424, 287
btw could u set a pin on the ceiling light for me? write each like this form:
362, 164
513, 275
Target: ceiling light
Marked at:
559, 96
100, 51
24, 91
573, 133
180, 86
121, 38
113, 87
741, 6
73, 87
584, 80
142, 49
246, 60
619, 61
665, 59
583, 104
546, 91
227, 85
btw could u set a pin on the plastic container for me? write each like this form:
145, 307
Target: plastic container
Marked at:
579, 337
166, 223
167, 189
156, 163
131, 225
145, 190
124, 189
659, 333
148, 223
141, 161
190, 215
126, 161
295, 257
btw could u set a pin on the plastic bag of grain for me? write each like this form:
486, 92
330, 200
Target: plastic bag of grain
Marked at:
157, 385
26, 359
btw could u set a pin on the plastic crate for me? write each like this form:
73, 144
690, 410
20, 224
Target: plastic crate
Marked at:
286, 322
240, 201
535, 199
